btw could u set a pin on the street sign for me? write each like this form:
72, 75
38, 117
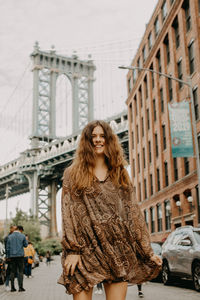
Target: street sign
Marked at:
181, 131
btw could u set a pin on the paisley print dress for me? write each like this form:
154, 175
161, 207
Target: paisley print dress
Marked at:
105, 226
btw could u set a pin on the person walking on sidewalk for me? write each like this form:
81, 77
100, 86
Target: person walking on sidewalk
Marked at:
105, 238
29, 253
12, 228
15, 250
140, 293
48, 258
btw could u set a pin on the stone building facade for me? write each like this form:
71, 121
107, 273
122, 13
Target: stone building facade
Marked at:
166, 187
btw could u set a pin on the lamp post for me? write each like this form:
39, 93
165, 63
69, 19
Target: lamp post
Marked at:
189, 84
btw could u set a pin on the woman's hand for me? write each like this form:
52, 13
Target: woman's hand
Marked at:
71, 262
156, 259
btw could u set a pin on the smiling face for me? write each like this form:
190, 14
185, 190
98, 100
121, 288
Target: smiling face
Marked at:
98, 140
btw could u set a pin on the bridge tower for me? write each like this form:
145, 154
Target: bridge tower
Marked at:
47, 66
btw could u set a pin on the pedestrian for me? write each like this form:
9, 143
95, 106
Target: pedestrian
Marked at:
12, 228
99, 290
29, 253
15, 249
105, 238
48, 258
140, 293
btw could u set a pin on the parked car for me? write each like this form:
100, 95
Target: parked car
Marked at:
36, 262
181, 255
157, 249
2, 264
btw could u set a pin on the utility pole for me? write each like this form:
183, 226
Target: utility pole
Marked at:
189, 84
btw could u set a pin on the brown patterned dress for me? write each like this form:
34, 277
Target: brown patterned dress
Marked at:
105, 226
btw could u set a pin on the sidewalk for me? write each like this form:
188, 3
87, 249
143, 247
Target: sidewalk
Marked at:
42, 286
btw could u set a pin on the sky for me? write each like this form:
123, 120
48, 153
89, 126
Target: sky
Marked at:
85, 26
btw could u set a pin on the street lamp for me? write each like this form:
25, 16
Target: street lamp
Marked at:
189, 84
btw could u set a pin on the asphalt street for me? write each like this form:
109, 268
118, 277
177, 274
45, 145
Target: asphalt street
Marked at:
43, 286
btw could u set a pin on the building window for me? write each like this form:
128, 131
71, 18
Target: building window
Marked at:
156, 142
145, 189
138, 65
154, 109
135, 100
180, 72
191, 56
159, 217
131, 113
158, 179
198, 138
152, 215
149, 151
164, 137
170, 89
138, 162
148, 121
132, 140
159, 61
156, 27
164, 11
134, 167
150, 41
146, 87
175, 169
134, 76
144, 53
140, 96
186, 7
196, 104
144, 161
166, 174
166, 43
146, 217
186, 165
167, 215
151, 184
152, 76
176, 31
142, 126
137, 133
139, 191
129, 85
161, 100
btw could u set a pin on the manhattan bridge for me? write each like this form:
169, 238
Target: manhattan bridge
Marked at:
39, 169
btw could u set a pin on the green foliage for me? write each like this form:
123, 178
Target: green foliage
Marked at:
31, 225
52, 244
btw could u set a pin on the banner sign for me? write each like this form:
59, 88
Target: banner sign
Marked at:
181, 131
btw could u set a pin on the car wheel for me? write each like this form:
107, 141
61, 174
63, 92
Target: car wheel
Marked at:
196, 276
166, 277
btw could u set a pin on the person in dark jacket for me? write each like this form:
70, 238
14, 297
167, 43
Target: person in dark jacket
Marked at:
15, 251
12, 228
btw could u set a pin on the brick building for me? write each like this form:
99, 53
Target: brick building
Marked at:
166, 187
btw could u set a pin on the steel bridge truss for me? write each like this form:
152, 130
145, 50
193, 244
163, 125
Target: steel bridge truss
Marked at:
47, 66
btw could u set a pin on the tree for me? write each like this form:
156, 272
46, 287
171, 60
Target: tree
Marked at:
30, 223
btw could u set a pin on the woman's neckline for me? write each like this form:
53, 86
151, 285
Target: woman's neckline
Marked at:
100, 180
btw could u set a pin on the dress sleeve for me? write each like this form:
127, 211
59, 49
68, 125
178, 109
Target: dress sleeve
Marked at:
143, 244
70, 226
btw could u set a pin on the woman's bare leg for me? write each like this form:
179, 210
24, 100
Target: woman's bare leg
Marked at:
84, 295
116, 290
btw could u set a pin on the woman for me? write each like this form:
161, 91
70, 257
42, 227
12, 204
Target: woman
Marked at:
105, 238
29, 253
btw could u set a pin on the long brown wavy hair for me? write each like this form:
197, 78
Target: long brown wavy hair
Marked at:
81, 170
